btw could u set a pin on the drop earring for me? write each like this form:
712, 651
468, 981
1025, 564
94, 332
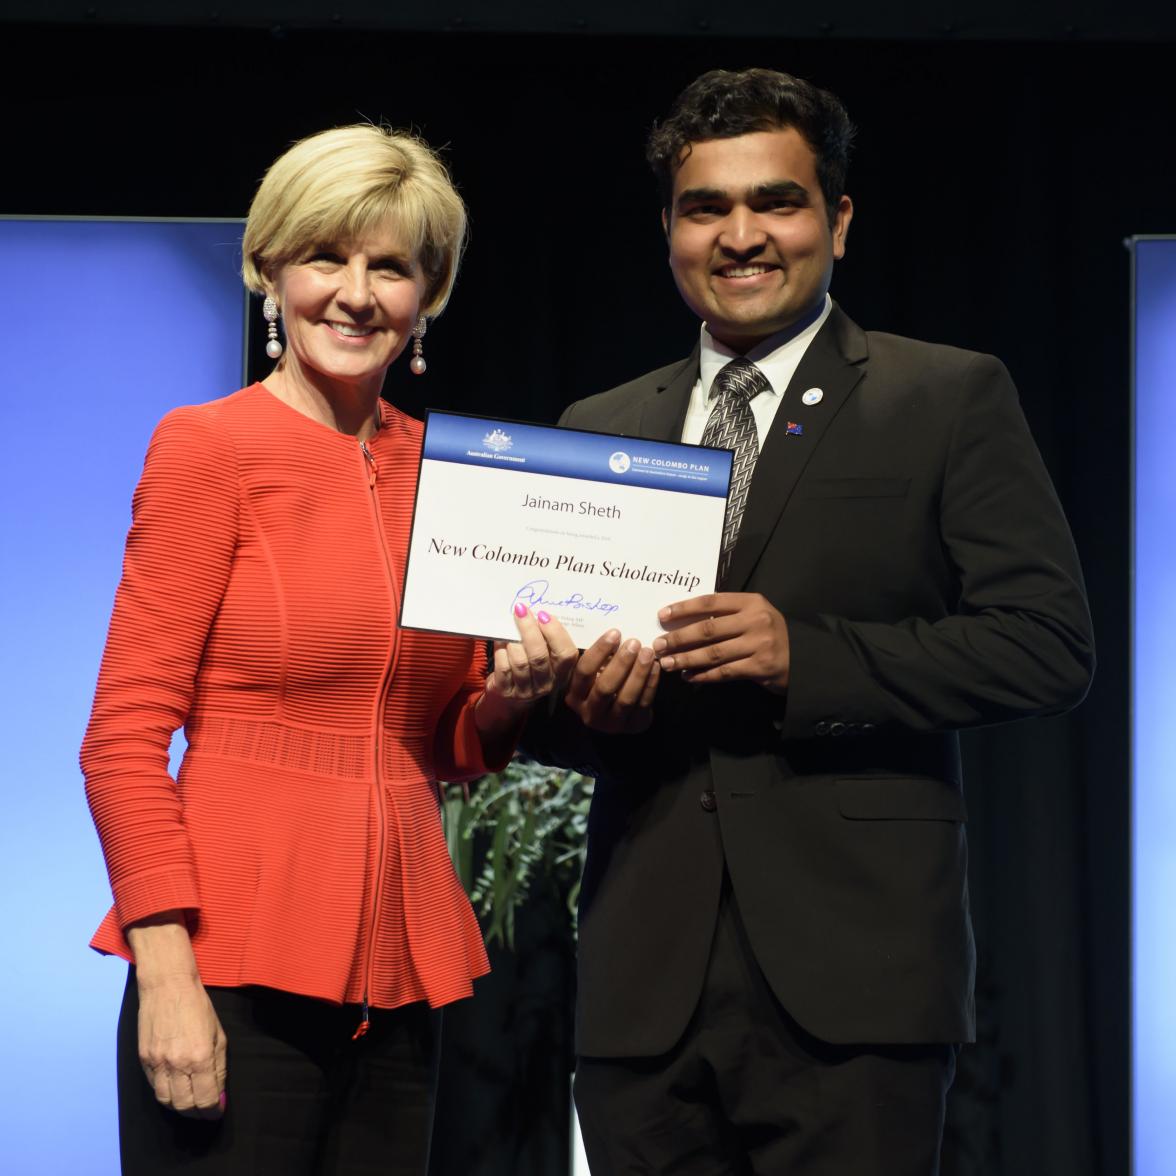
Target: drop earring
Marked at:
417, 364
269, 312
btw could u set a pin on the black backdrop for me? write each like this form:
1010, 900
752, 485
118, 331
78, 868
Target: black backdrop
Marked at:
994, 184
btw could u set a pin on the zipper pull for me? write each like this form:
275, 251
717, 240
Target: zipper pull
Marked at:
372, 469
364, 1024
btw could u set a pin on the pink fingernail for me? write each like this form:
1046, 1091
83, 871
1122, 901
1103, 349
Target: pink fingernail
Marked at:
542, 617
223, 1100
520, 609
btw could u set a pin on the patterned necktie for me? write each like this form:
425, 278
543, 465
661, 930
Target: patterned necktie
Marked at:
732, 426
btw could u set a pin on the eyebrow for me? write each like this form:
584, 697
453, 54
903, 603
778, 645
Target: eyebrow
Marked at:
406, 259
691, 195
779, 188
788, 188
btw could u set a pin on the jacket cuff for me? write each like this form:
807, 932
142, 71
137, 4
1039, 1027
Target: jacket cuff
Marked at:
829, 695
147, 894
462, 755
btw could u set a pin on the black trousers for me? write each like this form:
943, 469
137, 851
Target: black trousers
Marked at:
304, 1099
747, 1091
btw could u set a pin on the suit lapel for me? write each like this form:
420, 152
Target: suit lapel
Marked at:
834, 362
664, 412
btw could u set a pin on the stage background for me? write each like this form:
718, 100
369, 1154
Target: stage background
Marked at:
1154, 703
995, 183
90, 317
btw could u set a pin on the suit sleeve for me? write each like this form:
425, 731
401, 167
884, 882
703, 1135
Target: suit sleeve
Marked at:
179, 555
1018, 642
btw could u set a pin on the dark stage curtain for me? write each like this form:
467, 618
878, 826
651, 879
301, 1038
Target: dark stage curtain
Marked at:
994, 186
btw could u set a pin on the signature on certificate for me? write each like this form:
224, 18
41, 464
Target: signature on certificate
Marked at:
534, 593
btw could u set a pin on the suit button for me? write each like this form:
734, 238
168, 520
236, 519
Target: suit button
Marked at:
822, 728
708, 802
837, 730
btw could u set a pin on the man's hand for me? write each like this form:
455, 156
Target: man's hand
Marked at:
613, 686
726, 637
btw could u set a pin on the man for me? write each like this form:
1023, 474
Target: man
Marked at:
776, 960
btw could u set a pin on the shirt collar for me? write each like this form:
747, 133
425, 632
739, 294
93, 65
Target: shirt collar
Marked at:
777, 356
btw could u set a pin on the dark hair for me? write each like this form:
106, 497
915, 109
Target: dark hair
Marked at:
723, 104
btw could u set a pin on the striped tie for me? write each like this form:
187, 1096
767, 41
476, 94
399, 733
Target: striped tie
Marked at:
732, 426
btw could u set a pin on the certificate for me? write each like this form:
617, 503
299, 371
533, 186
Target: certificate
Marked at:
599, 531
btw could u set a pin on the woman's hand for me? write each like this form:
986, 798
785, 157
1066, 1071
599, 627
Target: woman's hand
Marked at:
182, 1046
539, 664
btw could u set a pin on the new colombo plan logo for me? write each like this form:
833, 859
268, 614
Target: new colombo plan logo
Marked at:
497, 440
619, 462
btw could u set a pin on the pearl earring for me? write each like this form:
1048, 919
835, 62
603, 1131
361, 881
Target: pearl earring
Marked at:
417, 364
269, 312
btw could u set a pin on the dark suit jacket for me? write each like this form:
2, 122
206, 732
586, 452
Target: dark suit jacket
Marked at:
913, 541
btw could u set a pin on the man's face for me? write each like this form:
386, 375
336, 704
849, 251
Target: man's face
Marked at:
751, 247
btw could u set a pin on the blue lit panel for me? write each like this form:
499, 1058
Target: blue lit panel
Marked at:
1154, 711
104, 326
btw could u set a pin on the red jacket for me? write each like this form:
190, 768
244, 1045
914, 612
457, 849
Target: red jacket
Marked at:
258, 609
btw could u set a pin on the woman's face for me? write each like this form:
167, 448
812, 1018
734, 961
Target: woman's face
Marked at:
349, 307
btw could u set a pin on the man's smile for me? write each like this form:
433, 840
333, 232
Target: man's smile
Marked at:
745, 270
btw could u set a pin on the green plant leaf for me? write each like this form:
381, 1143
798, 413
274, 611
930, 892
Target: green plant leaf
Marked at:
532, 821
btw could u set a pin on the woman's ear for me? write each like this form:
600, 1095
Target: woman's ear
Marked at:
269, 283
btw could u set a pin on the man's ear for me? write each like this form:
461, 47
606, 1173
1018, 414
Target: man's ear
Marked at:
666, 223
841, 226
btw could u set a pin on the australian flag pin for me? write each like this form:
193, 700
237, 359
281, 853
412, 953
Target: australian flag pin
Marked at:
794, 430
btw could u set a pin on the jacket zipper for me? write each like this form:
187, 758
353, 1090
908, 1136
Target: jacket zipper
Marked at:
381, 699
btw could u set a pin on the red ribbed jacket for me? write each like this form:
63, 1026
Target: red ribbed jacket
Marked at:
257, 608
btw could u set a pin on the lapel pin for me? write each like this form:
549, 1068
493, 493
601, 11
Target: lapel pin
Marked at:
794, 430
813, 396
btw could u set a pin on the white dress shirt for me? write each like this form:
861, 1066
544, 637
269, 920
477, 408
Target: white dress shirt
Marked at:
777, 357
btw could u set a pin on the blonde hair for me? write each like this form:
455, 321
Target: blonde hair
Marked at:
343, 183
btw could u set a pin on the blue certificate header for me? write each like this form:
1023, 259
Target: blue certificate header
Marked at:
573, 453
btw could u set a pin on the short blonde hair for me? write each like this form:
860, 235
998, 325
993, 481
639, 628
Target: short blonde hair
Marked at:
342, 183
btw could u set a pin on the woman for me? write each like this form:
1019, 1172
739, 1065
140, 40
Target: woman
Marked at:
287, 903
